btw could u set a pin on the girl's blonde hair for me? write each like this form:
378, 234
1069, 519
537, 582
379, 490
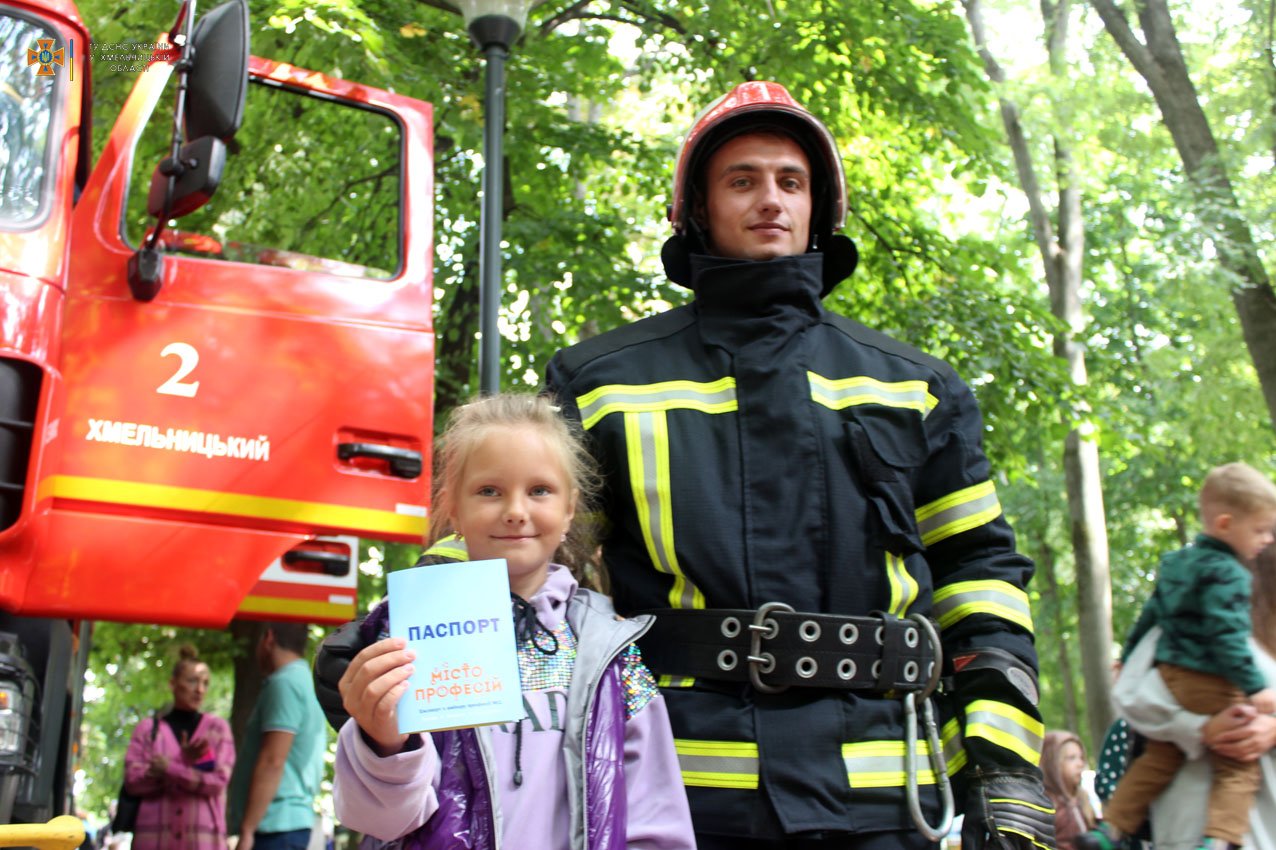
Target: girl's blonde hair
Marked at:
467, 427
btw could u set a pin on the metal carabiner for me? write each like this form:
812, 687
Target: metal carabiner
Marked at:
938, 764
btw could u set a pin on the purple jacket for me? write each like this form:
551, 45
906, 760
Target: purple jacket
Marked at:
623, 787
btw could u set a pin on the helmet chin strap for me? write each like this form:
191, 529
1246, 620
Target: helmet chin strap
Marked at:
699, 238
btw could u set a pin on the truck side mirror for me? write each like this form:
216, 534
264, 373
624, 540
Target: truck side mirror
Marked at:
211, 92
218, 81
199, 172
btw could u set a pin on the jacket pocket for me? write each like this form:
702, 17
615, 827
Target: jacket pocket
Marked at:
887, 445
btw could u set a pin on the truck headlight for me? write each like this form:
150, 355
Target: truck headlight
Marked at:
13, 720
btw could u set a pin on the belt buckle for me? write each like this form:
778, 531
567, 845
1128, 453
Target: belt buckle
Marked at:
761, 662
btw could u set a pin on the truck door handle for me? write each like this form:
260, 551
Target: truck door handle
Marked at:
404, 463
332, 563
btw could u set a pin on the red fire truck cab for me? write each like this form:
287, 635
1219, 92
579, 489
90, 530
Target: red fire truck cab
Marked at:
215, 367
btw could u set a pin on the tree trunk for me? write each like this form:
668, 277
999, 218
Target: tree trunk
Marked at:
455, 353
1159, 60
1062, 252
1053, 600
1094, 580
248, 676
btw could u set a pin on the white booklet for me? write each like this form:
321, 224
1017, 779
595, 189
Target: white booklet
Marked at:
458, 620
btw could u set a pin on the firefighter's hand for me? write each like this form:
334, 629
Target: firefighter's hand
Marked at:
370, 690
1008, 810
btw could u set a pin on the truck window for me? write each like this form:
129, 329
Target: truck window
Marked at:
310, 183
27, 99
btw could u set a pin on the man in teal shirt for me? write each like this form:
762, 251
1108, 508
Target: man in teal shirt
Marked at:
280, 760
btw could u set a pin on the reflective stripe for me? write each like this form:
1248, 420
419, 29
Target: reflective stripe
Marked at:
451, 546
880, 764
645, 409
951, 741
958, 512
1030, 838
1017, 802
903, 585
262, 508
839, 393
1001, 599
1007, 727
312, 609
718, 764
713, 397
647, 443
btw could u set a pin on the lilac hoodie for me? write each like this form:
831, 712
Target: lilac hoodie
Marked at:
461, 783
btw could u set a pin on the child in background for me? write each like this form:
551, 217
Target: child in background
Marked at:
1202, 604
1062, 762
514, 474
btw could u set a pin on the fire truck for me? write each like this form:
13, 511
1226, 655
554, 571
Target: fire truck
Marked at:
216, 350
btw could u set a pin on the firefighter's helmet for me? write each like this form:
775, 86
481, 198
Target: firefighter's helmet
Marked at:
761, 106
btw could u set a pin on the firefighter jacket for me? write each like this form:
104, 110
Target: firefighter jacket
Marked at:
757, 448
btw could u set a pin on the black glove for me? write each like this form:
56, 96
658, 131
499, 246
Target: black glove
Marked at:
1007, 810
331, 660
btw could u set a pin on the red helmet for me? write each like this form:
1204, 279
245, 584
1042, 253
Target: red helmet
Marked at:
765, 105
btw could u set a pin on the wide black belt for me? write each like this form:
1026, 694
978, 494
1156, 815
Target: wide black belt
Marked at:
775, 647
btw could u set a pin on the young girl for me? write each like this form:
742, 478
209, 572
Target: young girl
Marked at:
1062, 761
592, 766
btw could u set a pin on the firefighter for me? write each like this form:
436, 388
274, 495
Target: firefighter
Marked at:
806, 506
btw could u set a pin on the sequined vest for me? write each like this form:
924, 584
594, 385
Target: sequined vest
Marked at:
468, 817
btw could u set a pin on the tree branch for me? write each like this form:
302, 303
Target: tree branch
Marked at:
1118, 27
662, 19
440, 4
974, 14
1269, 50
891, 249
645, 19
1018, 141
345, 189
573, 12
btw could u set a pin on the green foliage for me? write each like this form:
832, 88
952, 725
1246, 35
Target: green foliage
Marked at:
1172, 391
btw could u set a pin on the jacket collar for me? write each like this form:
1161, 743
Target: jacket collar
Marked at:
739, 301
1207, 542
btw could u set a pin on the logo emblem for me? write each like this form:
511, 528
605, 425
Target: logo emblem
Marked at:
45, 55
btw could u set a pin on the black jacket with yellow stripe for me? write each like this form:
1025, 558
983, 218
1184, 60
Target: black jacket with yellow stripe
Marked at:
758, 448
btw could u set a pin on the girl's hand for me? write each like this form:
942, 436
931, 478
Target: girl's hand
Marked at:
370, 690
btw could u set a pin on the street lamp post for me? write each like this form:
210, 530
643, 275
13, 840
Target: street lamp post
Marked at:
494, 25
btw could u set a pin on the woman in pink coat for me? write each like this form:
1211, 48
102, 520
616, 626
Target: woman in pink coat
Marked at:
180, 768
